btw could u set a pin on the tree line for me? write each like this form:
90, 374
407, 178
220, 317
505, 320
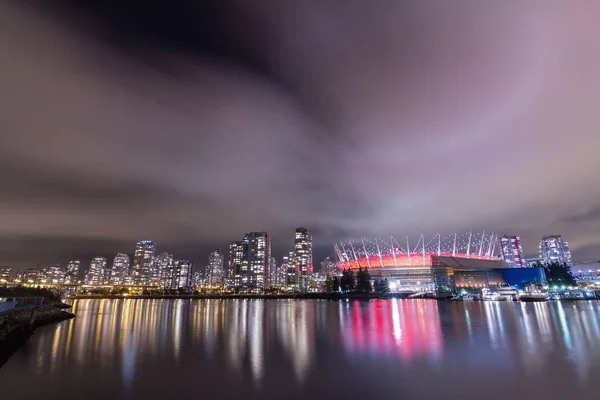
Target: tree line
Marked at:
359, 282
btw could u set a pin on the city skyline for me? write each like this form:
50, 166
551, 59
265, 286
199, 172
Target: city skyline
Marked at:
273, 136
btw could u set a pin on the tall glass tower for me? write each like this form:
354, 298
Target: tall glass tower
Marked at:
511, 251
554, 249
303, 258
143, 260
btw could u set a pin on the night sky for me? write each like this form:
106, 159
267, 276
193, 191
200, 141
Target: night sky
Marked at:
190, 123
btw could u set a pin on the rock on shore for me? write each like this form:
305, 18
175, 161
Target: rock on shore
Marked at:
16, 326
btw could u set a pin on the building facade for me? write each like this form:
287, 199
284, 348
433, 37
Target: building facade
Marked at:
96, 271
511, 251
159, 269
72, 271
143, 260
178, 275
119, 269
251, 273
273, 281
303, 258
554, 249
215, 271
6, 274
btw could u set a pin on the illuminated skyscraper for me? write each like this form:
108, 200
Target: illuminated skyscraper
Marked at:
5, 274
119, 270
159, 269
215, 273
143, 260
511, 251
236, 252
178, 275
72, 272
291, 272
303, 258
54, 274
252, 274
96, 272
554, 249
273, 281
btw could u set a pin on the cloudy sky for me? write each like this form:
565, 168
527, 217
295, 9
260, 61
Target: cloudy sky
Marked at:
192, 123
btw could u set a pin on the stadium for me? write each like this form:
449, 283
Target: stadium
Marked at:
442, 264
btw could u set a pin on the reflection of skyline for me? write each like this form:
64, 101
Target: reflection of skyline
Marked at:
292, 339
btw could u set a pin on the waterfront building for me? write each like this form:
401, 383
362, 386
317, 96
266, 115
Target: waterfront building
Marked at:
53, 274
96, 272
303, 258
291, 272
178, 275
236, 252
143, 260
511, 251
329, 268
31, 276
554, 249
441, 264
72, 271
6, 274
197, 280
119, 269
251, 272
215, 272
282, 271
273, 281
159, 269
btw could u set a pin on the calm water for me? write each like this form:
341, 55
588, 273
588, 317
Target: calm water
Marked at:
411, 349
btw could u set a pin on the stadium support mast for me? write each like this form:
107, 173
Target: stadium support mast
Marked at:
366, 254
408, 251
454, 248
469, 245
393, 250
439, 244
379, 252
481, 244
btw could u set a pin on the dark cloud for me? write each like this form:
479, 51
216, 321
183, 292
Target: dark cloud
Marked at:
195, 122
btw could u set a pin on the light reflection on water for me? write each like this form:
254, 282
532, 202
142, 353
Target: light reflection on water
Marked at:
298, 349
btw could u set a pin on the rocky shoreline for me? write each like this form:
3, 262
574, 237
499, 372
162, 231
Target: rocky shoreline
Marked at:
17, 325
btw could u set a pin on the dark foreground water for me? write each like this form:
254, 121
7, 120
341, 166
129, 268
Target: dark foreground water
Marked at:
304, 349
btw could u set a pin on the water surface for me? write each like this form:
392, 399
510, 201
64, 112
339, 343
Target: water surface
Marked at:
305, 349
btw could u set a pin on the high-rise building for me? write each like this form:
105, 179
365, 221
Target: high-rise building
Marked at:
282, 271
273, 281
143, 259
31, 275
159, 269
303, 258
72, 272
178, 275
215, 273
119, 270
291, 279
5, 274
96, 271
236, 252
329, 268
554, 249
252, 273
511, 251
54, 274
